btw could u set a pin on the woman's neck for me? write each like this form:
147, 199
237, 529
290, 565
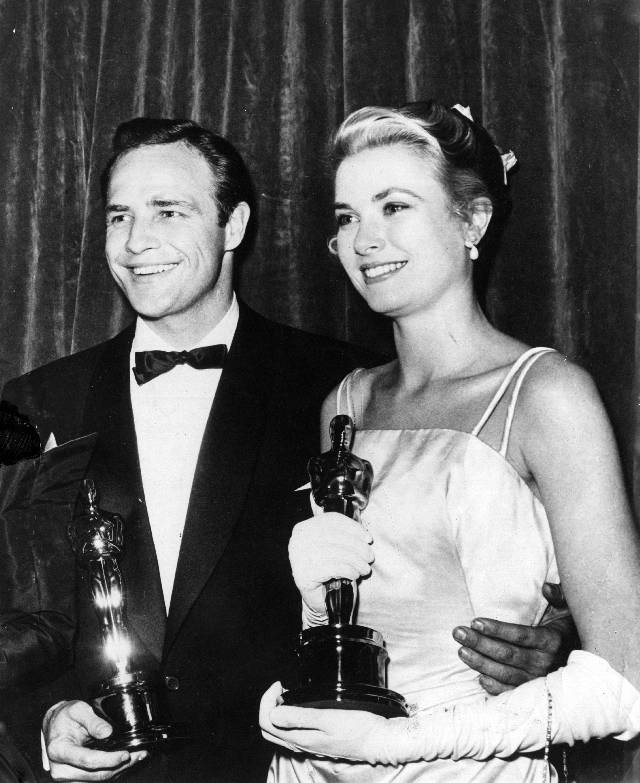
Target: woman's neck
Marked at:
443, 343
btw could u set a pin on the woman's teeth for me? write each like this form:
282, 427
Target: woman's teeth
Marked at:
371, 272
152, 270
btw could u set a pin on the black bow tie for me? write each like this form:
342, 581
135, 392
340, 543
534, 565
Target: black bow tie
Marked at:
150, 364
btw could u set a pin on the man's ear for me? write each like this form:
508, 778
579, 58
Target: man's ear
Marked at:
236, 225
478, 215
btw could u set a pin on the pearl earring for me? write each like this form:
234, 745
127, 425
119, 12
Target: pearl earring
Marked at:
473, 250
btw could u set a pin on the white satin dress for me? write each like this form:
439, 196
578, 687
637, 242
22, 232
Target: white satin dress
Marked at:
457, 534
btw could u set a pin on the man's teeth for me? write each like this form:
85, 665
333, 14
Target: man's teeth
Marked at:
151, 270
382, 269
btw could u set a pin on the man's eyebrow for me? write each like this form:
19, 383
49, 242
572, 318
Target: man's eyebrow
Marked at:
115, 208
164, 203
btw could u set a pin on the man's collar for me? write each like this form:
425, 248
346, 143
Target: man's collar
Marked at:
145, 339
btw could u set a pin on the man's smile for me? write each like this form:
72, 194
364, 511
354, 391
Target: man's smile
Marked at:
152, 270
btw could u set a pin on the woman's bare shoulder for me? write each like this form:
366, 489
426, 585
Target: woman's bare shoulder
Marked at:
560, 413
556, 385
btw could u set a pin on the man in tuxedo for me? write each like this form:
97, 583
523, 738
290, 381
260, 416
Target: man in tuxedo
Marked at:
202, 460
205, 415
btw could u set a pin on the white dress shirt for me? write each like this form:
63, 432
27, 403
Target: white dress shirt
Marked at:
170, 413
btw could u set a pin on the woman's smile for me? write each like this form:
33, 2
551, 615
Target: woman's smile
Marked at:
375, 273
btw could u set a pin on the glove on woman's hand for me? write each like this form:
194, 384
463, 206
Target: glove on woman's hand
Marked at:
328, 546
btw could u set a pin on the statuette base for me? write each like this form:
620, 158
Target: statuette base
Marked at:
143, 739
343, 667
128, 701
380, 701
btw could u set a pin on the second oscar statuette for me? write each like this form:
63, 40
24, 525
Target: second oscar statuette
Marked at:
127, 699
343, 665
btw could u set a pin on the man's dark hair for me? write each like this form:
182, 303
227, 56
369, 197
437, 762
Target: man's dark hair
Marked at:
230, 175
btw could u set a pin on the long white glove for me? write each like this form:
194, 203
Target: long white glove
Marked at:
588, 699
324, 547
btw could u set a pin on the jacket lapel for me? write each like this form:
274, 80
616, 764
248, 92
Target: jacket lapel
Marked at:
116, 471
231, 441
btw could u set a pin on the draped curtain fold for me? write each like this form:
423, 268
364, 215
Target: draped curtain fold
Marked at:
555, 81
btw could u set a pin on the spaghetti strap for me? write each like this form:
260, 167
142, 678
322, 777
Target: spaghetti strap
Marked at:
344, 396
533, 358
532, 352
341, 391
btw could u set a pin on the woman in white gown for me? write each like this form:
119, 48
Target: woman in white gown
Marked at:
495, 470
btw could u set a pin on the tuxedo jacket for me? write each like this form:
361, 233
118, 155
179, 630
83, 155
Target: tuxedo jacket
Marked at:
234, 615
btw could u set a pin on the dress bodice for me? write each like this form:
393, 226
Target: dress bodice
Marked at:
457, 534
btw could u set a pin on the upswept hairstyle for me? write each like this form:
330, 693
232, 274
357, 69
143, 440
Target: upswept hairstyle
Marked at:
230, 175
465, 159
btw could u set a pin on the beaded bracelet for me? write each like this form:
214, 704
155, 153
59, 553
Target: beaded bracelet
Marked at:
547, 741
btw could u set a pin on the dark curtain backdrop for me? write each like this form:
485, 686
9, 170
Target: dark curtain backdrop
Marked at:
555, 80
